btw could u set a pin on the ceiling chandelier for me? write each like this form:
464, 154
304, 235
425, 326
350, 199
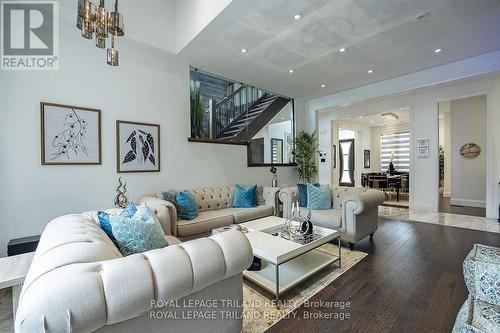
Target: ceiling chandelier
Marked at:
95, 22
390, 116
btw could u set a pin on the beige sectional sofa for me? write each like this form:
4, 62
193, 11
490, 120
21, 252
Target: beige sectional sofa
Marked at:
214, 208
80, 282
354, 211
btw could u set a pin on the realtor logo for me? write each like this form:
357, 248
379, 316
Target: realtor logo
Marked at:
30, 35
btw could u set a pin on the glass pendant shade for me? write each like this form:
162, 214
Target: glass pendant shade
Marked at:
79, 17
116, 24
112, 57
100, 42
112, 53
87, 30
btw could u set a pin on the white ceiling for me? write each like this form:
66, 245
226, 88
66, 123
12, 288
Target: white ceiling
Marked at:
383, 35
376, 119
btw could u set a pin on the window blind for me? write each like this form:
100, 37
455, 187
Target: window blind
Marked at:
399, 144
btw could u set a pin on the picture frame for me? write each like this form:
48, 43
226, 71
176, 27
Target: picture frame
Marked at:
137, 147
423, 152
70, 135
366, 159
422, 143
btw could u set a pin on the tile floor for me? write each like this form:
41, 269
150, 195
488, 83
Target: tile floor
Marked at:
452, 220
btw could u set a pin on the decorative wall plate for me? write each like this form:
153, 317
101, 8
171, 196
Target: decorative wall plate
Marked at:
470, 150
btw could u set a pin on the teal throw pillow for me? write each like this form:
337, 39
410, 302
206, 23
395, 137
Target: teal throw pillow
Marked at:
244, 197
105, 223
319, 198
140, 233
188, 206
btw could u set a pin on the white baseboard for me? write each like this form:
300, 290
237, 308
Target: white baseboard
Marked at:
467, 203
446, 194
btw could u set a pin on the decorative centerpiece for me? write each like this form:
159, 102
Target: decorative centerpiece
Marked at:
297, 227
121, 199
274, 171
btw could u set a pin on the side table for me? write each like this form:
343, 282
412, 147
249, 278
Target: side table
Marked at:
13, 271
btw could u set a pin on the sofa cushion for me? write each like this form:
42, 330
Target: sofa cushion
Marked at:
241, 215
329, 218
139, 233
319, 197
104, 219
244, 197
204, 222
303, 193
213, 198
188, 207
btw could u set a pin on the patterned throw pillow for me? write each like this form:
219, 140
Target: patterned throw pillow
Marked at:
188, 206
319, 198
139, 233
244, 197
303, 194
171, 196
105, 223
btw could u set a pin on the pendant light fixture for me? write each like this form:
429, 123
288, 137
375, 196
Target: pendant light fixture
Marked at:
96, 22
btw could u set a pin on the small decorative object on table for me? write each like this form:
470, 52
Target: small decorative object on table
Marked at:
274, 171
298, 228
121, 199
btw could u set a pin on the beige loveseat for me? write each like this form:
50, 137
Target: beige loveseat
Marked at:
80, 282
354, 211
214, 210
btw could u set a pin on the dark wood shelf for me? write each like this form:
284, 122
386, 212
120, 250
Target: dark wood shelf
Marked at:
238, 143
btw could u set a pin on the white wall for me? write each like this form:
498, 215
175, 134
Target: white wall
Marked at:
423, 105
468, 176
149, 86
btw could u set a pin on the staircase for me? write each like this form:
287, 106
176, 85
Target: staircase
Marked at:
241, 115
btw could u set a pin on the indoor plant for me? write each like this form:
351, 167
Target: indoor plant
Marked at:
306, 148
196, 110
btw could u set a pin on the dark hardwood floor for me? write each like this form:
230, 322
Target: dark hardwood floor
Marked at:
411, 281
445, 207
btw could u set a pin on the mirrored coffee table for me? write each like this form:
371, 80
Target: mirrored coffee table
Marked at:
286, 263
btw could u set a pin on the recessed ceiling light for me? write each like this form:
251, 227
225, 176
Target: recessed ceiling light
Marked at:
290, 71
342, 50
370, 71
243, 50
372, 121
323, 85
297, 16
438, 50
282, 118
360, 117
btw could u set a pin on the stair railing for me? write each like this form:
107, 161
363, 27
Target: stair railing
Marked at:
221, 114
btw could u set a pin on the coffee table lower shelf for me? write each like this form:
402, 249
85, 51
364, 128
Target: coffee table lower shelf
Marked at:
291, 272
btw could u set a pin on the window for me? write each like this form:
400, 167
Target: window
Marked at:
398, 146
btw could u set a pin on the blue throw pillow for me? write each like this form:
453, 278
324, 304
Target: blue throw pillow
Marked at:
319, 198
303, 194
244, 197
188, 207
105, 223
140, 233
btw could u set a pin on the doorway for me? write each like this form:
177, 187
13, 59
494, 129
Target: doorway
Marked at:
462, 156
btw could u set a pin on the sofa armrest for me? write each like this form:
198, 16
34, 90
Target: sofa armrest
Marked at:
270, 195
364, 201
91, 295
288, 196
165, 212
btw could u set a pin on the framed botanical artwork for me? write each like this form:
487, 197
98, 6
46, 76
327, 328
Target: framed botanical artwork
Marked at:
137, 147
70, 135
366, 158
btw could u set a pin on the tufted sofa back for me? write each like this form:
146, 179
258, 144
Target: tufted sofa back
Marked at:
79, 281
214, 197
